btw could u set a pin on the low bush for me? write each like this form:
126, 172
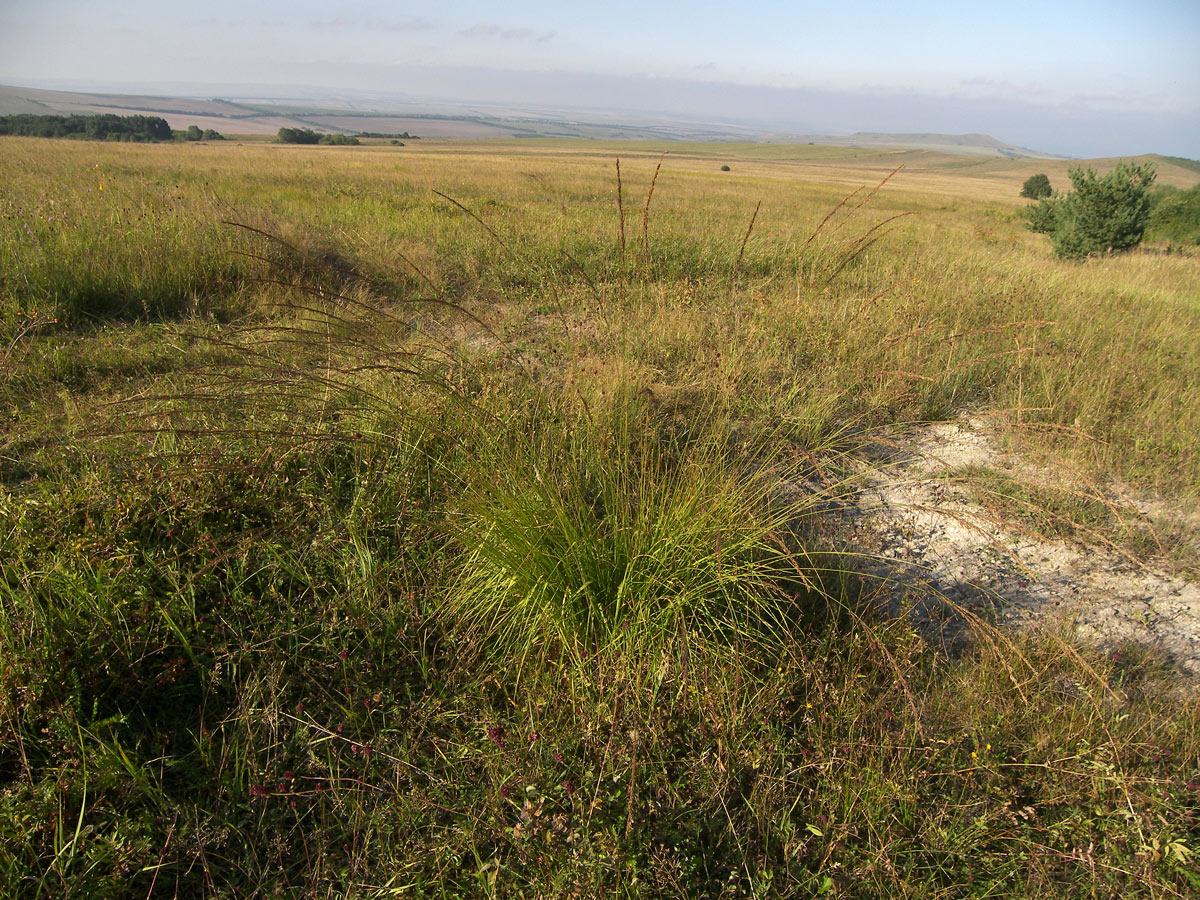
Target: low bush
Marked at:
1036, 187
1102, 215
1175, 216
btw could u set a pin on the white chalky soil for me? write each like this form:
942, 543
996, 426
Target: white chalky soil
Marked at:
938, 551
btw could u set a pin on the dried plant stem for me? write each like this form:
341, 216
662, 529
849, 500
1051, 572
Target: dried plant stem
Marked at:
486, 227
646, 212
745, 240
867, 199
865, 240
829, 215
621, 208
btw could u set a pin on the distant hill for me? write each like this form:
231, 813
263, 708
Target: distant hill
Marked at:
180, 112
975, 144
250, 115
263, 115
1182, 161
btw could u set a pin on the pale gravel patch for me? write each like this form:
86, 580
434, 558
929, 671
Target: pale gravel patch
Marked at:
943, 559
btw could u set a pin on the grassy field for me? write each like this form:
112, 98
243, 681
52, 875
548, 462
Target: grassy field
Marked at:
407, 522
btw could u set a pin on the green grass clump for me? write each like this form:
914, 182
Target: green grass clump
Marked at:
589, 538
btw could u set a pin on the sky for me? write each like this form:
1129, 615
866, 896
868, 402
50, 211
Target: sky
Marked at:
1095, 78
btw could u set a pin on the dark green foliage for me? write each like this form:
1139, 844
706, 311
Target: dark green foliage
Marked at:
298, 136
1036, 187
1104, 214
105, 127
308, 136
403, 135
195, 133
724, 168
1175, 215
1042, 215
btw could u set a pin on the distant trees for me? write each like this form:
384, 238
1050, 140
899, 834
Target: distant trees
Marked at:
193, 133
403, 135
1104, 214
102, 127
308, 136
1036, 187
298, 136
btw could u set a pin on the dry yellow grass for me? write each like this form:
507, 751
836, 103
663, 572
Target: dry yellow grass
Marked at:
919, 323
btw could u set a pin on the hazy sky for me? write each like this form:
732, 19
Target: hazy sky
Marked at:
1086, 78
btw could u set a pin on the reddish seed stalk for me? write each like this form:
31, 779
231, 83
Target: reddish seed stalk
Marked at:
621, 208
737, 267
646, 211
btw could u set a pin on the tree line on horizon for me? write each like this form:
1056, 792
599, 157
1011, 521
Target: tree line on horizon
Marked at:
308, 136
102, 127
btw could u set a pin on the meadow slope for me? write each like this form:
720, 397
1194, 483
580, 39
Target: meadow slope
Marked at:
476, 519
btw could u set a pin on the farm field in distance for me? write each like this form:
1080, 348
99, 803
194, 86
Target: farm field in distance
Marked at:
468, 518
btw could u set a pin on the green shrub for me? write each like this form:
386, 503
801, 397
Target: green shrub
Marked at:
1042, 215
1036, 187
298, 136
1175, 215
1104, 214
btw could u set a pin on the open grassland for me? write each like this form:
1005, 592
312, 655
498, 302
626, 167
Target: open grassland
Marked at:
408, 522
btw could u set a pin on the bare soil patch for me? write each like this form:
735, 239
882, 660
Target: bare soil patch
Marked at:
946, 561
